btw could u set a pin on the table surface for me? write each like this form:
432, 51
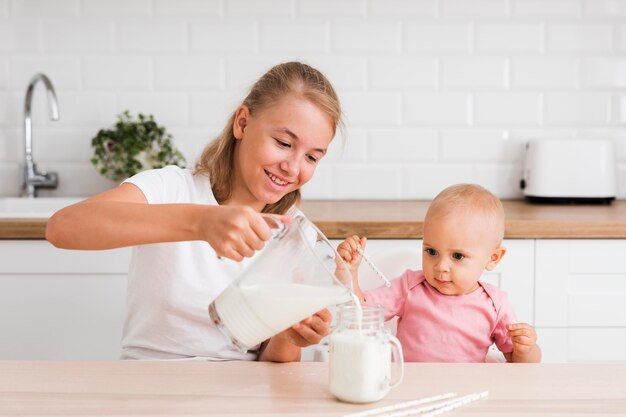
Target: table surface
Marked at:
151, 388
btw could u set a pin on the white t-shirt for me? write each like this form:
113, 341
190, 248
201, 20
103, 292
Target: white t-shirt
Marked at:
170, 285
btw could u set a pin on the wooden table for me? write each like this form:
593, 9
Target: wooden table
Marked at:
126, 388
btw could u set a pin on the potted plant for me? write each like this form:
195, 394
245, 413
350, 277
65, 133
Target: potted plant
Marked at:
133, 145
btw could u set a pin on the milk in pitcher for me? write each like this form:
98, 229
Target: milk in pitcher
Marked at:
254, 313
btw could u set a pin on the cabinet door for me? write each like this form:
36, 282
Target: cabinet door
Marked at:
60, 304
580, 298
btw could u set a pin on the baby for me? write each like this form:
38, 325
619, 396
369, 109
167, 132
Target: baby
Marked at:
445, 313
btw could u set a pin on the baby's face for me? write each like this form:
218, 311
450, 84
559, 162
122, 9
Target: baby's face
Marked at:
457, 248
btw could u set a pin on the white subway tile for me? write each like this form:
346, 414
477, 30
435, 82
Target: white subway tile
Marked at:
77, 36
64, 145
85, 109
274, 8
188, 8
243, 71
607, 72
437, 38
621, 36
191, 142
545, 72
46, 9
320, 187
404, 8
301, 38
506, 108
340, 8
212, 109
543, 132
12, 108
425, 181
11, 183
168, 109
4, 8
475, 8
351, 147
501, 179
343, 71
577, 108
371, 109
77, 180
4, 73
404, 145
484, 72
546, 8
379, 182
605, 8
63, 72
11, 146
509, 38
231, 37
116, 8
161, 37
366, 37
117, 73
479, 145
579, 37
403, 72
19, 36
189, 73
622, 109
438, 109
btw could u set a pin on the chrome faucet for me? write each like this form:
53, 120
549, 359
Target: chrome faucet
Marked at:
33, 179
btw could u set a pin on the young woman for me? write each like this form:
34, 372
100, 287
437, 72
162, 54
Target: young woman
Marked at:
181, 223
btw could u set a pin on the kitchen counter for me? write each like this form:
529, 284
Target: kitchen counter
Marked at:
152, 388
404, 220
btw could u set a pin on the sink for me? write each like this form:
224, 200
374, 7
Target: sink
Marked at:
34, 208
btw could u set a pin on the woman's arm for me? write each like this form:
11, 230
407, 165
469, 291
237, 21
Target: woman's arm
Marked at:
122, 217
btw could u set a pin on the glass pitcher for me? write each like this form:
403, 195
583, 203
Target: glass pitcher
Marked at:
297, 274
361, 351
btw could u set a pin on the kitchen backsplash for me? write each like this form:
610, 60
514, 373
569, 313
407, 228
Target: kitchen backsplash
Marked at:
434, 91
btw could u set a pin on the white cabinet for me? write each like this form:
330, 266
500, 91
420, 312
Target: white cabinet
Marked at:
580, 299
58, 304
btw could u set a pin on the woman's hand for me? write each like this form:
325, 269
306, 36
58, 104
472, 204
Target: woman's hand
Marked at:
285, 346
235, 232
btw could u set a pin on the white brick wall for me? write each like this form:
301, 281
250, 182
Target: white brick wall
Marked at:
434, 91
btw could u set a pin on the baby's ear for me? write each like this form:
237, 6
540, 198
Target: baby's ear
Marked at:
495, 257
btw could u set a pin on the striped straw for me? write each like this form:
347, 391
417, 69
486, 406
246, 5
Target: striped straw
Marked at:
393, 407
439, 408
369, 262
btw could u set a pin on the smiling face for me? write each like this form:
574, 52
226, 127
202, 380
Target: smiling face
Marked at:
458, 246
278, 148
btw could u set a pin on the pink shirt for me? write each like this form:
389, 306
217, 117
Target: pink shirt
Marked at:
434, 327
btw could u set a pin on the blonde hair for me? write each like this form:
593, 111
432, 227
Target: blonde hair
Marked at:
217, 159
470, 198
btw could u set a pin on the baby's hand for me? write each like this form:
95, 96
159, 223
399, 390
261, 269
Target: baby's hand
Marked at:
523, 336
348, 251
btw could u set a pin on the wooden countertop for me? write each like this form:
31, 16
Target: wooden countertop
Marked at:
404, 220
157, 388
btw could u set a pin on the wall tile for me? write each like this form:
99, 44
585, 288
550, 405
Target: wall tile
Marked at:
189, 73
168, 109
11, 180
159, 37
577, 108
343, 71
402, 72
209, 37
349, 148
371, 109
436, 109
188, 8
77, 36
274, 8
475, 8
46, 9
362, 181
482, 73
403, 145
85, 109
501, 179
320, 187
509, 38
546, 8
11, 146
545, 72
579, 38
365, 37
20, 36
479, 145
605, 8
604, 72
117, 73
506, 108
4, 73
437, 38
425, 181
63, 72
404, 8
116, 8
302, 38
212, 109
340, 8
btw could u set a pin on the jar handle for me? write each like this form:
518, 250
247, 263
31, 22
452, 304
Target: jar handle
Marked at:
397, 353
276, 225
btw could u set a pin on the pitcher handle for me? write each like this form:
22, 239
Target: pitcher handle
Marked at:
276, 225
397, 348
